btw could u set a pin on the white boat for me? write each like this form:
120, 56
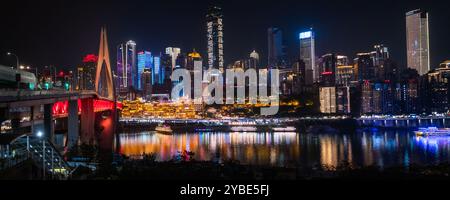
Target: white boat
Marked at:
284, 129
163, 129
433, 131
243, 129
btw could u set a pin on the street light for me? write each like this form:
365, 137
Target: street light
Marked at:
17, 58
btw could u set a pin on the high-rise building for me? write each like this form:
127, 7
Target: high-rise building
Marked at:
191, 58
145, 61
173, 52
343, 100
418, 41
157, 71
126, 65
364, 64
327, 67
341, 60
346, 75
380, 57
253, 62
86, 73
366, 98
214, 22
438, 87
327, 99
275, 47
380, 54
308, 53
146, 83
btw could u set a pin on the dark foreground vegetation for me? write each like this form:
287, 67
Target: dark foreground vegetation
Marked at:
184, 168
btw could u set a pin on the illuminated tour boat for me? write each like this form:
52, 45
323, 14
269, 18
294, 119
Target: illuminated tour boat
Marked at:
284, 129
163, 129
433, 131
244, 129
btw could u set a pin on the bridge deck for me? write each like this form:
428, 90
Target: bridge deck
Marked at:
30, 98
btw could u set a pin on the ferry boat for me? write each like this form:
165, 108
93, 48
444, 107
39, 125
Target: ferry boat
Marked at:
284, 129
163, 129
244, 129
433, 131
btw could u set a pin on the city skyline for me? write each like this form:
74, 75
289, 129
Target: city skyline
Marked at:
250, 36
235, 90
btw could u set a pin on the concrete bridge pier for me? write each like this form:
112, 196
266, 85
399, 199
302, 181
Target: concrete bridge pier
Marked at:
49, 129
87, 133
34, 112
73, 127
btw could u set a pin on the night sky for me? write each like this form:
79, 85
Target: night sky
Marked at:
60, 33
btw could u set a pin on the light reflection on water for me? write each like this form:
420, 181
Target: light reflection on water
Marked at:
363, 148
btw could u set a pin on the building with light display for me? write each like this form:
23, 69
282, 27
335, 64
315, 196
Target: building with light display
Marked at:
126, 66
327, 100
173, 52
86, 73
308, 54
418, 41
158, 71
145, 61
214, 22
327, 70
146, 83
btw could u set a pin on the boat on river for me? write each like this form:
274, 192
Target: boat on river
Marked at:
284, 129
433, 131
164, 129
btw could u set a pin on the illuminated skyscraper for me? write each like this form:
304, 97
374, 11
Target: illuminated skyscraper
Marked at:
126, 65
308, 54
275, 47
86, 73
366, 70
253, 61
145, 61
191, 58
215, 38
157, 71
146, 83
327, 67
173, 52
417, 41
327, 99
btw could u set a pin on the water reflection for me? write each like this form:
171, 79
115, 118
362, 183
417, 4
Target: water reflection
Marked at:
362, 148
277, 149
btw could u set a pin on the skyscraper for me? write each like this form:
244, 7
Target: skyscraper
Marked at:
327, 99
327, 67
145, 61
215, 37
191, 58
417, 41
146, 79
157, 71
366, 70
275, 47
308, 54
253, 62
173, 52
126, 65
87, 72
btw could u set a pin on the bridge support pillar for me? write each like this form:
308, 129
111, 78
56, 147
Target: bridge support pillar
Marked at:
48, 122
3, 114
87, 134
34, 111
73, 133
